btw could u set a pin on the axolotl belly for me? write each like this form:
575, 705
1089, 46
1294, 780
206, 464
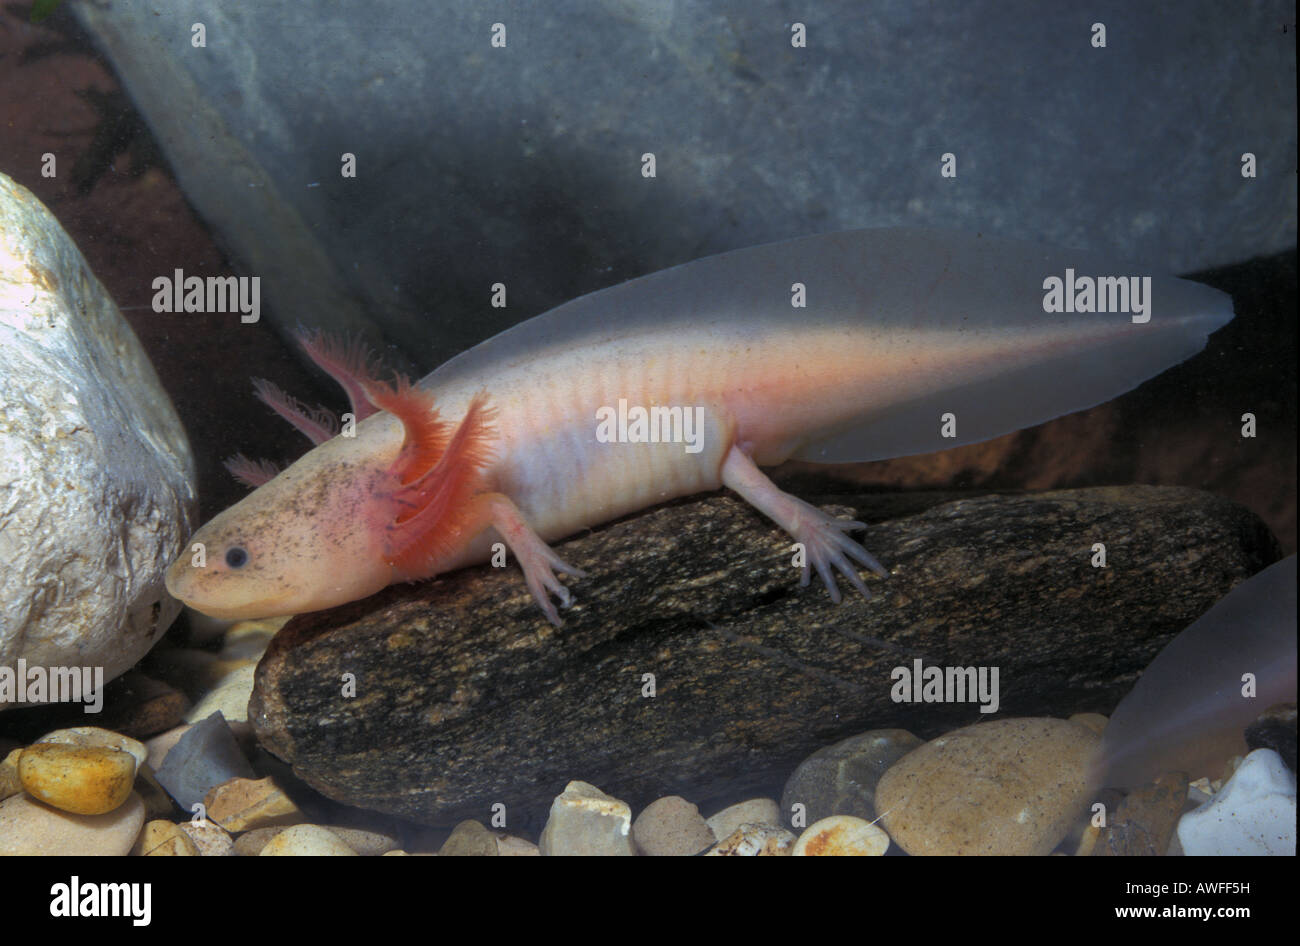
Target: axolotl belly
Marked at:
844, 347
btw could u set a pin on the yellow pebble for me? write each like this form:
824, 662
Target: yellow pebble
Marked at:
85, 780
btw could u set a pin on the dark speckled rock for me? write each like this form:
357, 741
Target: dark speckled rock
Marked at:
466, 697
1275, 729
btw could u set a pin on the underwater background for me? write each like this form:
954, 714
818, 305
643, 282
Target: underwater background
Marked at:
474, 169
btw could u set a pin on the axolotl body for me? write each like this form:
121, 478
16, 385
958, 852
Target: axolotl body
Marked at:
842, 347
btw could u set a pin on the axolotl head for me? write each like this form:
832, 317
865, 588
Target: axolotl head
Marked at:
311, 538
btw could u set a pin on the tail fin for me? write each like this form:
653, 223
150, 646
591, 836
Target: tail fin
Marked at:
1188, 710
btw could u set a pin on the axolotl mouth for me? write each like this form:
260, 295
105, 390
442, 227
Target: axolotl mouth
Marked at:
203, 590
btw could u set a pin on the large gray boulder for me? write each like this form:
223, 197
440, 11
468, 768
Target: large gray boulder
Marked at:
522, 163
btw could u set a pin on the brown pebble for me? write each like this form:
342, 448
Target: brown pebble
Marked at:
1144, 823
469, 839
671, 827
1011, 786
242, 804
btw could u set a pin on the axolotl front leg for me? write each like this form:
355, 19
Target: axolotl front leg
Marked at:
538, 560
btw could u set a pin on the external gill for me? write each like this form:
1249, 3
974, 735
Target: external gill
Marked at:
441, 501
347, 362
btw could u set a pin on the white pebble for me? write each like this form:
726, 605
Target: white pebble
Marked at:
1254, 812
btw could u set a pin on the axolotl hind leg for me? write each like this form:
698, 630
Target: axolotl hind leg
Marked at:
824, 538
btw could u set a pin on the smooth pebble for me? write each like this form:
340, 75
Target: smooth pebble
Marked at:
751, 811
841, 836
83, 780
94, 736
28, 827
210, 838
841, 779
1011, 786
242, 804
230, 696
671, 827
510, 846
250, 843
248, 640
10, 783
164, 839
1094, 721
365, 843
307, 840
469, 839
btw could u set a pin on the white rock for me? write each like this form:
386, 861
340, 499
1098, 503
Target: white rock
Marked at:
754, 840
753, 811
230, 696
94, 466
307, 840
1254, 812
584, 822
210, 838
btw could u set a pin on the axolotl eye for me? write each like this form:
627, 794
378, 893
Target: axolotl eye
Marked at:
236, 557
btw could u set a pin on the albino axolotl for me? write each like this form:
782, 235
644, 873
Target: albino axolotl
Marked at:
843, 347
